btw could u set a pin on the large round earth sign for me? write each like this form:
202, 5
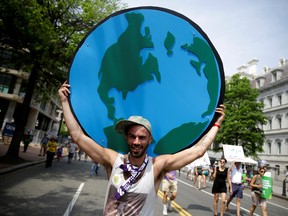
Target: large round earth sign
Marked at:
150, 62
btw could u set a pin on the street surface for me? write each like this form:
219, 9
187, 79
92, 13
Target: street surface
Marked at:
67, 189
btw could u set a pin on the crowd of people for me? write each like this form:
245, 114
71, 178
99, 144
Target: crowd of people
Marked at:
228, 183
52, 149
225, 179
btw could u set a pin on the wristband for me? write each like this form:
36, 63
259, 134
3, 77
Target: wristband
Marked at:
217, 125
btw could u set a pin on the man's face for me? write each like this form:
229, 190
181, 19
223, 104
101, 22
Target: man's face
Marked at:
138, 139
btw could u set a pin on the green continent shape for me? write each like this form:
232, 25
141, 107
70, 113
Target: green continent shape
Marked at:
179, 138
122, 67
169, 43
206, 57
115, 140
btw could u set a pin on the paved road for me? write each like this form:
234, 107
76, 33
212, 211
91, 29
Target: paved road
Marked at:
67, 189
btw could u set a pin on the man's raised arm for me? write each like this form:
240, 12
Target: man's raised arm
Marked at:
102, 155
182, 158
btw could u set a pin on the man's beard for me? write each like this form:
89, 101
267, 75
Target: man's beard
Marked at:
139, 154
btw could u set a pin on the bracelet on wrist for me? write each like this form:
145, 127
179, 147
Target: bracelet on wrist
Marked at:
217, 125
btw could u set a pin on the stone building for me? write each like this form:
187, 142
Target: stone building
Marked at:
43, 117
273, 87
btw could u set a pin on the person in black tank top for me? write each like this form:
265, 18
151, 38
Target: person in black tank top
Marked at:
220, 175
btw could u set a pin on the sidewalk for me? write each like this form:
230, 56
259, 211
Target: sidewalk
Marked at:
32, 158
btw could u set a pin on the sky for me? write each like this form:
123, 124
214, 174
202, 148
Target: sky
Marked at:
239, 30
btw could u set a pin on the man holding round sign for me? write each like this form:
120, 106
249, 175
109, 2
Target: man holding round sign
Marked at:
134, 178
150, 62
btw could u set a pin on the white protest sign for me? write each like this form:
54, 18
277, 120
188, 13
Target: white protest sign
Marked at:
233, 153
203, 161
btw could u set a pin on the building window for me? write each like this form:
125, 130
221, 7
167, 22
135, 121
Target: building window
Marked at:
270, 101
269, 148
279, 99
258, 84
43, 106
277, 169
274, 76
7, 83
279, 147
270, 124
52, 109
279, 120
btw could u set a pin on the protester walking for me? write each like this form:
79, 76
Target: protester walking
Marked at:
205, 174
80, 153
94, 168
43, 143
134, 178
72, 148
235, 183
220, 175
27, 138
59, 153
52, 147
256, 190
198, 176
169, 185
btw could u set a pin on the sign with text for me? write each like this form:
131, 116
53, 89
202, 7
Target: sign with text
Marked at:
9, 129
234, 153
267, 186
203, 161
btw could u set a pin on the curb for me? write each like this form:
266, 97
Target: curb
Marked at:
24, 165
20, 166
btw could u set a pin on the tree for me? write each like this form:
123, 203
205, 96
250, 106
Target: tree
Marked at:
244, 117
40, 37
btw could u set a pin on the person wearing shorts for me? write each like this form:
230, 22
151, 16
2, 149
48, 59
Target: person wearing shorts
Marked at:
198, 176
235, 184
72, 148
256, 190
205, 173
169, 185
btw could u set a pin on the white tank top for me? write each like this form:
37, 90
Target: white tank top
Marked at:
138, 200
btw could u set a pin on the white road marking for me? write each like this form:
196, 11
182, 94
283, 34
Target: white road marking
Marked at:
71, 204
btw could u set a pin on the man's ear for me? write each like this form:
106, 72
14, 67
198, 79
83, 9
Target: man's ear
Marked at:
150, 139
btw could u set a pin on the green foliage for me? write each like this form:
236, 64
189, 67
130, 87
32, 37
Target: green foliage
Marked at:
40, 37
46, 33
64, 130
244, 117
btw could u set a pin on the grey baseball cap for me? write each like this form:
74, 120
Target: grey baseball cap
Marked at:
132, 120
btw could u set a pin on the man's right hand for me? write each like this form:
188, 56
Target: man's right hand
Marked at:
64, 91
